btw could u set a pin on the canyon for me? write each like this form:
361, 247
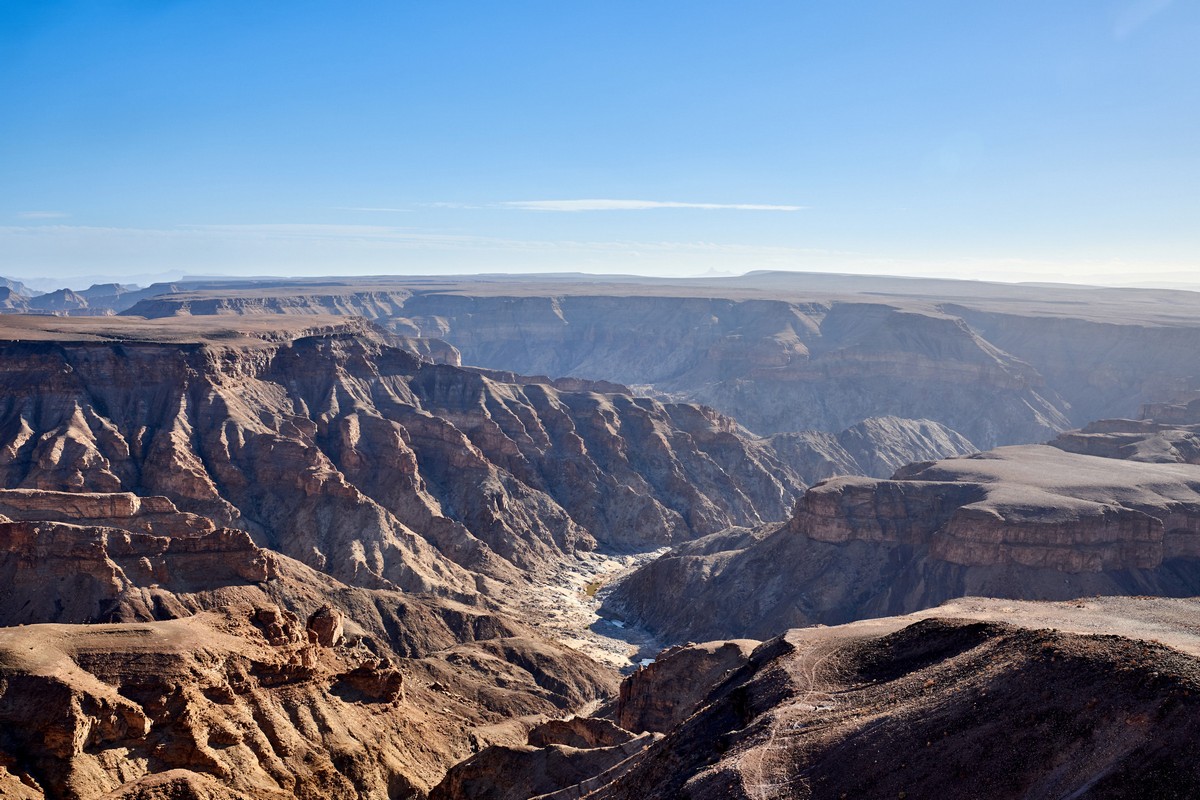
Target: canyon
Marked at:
576, 537
780, 352
1108, 510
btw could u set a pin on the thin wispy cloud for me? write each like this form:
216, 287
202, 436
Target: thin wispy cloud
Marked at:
42, 215
373, 210
638, 205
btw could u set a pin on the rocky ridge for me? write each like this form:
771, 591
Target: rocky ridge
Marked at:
179, 499
911, 707
364, 461
212, 683
1032, 522
875, 447
253, 702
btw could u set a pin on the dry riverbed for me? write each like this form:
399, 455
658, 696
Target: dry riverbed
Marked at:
565, 609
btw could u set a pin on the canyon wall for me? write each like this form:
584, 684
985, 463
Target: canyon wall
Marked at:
369, 463
999, 364
1028, 522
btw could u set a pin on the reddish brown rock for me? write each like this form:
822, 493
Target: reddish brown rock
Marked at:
579, 732
153, 515
663, 694
239, 703
326, 626
337, 448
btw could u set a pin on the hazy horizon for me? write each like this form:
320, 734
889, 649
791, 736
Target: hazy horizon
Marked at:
999, 141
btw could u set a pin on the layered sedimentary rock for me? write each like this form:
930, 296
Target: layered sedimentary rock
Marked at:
913, 707
781, 352
329, 444
1152, 441
154, 515
249, 702
272, 678
776, 366
58, 572
62, 301
549, 770
1033, 522
12, 302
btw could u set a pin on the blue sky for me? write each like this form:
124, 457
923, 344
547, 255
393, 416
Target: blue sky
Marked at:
1001, 139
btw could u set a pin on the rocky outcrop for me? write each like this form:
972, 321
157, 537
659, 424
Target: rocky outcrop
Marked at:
553, 772
664, 693
915, 713
1141, 440
56, 572
579, 732
11, 302
242, 703
152, 515
1032, 522
364, 461
774, 365
326, 626
1000, 363
62, 301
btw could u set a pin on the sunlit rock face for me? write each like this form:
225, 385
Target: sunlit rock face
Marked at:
361, 459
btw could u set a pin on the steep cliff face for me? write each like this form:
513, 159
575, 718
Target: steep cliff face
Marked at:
1001, 364
1033, 522
1142, 440
1103, 367
774, 365
362, 460
59, 572
231, 670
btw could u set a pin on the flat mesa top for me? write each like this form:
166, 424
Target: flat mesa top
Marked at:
223, 330
1105, 304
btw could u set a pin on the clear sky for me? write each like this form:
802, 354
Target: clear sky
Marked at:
1001, 139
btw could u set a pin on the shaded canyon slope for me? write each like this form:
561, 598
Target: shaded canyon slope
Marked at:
330, 445
1000, 364
981, 699
1030, 521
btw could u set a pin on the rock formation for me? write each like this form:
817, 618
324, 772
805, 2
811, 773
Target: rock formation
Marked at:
1033, 521
12, 302
663, 694
875, 447
780, 352
362, 460
286, 561
910, 707
243, 703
